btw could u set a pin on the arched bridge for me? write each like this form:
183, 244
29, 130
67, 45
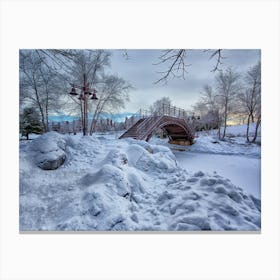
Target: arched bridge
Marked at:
177, 129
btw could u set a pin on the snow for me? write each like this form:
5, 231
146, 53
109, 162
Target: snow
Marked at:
48, 147
126, 185
231, 158
242, 171
232, 146
31, 136
240, 130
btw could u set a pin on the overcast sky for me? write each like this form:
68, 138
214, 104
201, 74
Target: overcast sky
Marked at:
140, 70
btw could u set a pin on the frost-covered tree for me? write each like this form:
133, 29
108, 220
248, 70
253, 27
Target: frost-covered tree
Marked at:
30, 122
161, 106
86, 69
40, 86
250, 98
46, 77
112, 95
89, 62
112, 91
200, 108
209, 109
228, 87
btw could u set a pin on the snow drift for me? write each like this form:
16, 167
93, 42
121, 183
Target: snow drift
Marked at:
49, 151
126, 185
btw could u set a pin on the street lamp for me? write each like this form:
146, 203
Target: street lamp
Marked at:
83, 97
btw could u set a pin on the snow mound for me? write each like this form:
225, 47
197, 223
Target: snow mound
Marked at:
49, 142
126, 185
49, 150
151, 159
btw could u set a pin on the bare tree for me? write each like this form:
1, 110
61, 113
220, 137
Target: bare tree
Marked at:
209, 98
175, 59
258, 115
86, 68
200, 108
89, 62
209, 108
228, 87
39, 85
161, 106
112, 95
46, 77
250, 98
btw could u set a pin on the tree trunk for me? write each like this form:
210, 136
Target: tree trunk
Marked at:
248, 126
82, 113
47, 115
93, 122
41, 110
39, 103
97, 112
256, 129
225, 125
219, 129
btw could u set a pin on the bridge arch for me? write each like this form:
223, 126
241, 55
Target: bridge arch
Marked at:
177, 129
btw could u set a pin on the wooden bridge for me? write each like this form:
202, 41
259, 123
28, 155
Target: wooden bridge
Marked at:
178, 127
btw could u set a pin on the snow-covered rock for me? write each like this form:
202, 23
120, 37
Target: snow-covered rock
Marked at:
49, 150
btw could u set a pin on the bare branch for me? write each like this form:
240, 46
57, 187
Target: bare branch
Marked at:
218, 55
178, 66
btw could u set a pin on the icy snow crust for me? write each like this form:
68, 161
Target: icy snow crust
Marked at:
125, 185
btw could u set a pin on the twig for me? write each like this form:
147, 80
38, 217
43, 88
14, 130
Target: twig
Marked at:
177, 67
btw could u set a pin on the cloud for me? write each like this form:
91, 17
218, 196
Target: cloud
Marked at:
142, 72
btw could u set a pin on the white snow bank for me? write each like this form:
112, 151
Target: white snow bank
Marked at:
126, 185
232, 146
240, 130
235, 142
230, 166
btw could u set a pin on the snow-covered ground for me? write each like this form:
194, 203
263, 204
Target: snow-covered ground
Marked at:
111, 184
243, 171
231, 158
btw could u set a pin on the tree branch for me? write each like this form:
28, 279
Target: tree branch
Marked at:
177, 67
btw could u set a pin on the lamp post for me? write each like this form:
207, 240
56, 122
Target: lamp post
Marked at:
86, 92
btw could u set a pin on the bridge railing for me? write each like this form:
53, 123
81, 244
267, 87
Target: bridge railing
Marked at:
147, 124
171, 111
162, 110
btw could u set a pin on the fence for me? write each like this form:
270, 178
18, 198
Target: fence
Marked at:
103, 125
75, 126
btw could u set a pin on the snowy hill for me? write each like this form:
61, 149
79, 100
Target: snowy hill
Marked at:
126, 185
